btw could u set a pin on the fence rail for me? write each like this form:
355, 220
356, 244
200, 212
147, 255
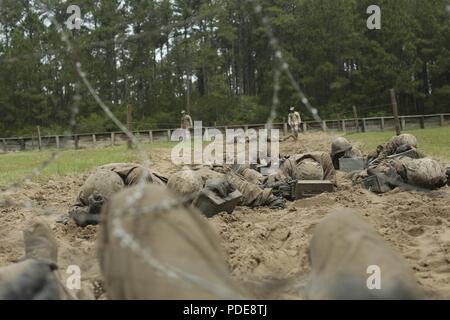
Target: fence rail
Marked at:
103, 139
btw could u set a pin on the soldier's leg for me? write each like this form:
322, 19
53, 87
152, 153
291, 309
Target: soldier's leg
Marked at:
253, 195
156, 248
35, 277
349, 260
296, 131
424, 173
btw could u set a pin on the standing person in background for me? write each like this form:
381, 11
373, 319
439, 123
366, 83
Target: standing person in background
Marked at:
186, 120
294, 122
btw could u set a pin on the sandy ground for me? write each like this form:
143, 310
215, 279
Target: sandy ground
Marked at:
266, 249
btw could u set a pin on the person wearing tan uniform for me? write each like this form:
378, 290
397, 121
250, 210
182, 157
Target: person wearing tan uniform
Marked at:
397, 163
186, 121
306, 166
189, 182
102, 184
294, 121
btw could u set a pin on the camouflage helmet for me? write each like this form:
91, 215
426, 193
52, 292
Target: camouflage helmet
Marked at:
340, 145
403, 139
104, 182
185, 182
309, 169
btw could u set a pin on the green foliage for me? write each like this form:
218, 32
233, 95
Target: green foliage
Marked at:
213, 58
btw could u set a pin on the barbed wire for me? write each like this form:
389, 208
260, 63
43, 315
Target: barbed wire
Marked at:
127, 239
162, 208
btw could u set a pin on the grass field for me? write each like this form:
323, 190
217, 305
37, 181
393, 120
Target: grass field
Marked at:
15, 167
434, 141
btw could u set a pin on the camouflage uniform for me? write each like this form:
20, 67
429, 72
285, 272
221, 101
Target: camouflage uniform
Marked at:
406, 171
398, 163
102, 184
188, 182
293, 168
389, 148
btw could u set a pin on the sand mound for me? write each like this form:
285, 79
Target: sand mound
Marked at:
265, 249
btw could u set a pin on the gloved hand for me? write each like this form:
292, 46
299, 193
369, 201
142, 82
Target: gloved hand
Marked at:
90, 214
78, 214
277, 203
388, 180
273, 185
220, 186
64, 218
96, 201
85, 219
281, 188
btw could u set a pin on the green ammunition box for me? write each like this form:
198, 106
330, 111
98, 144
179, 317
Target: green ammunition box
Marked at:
351, 164
211, 204
310, 188
372, 184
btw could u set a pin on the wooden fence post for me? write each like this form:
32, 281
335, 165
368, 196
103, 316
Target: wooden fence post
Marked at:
39, 138
343, 126
382, 124
168, 135
355, 115
113, 139
150, 136
395, 111
76, 141
363, 125
285, 128
130, 124
5, 146
57, 142
403, 123
305, 126
442, 120
94, 140
422, 122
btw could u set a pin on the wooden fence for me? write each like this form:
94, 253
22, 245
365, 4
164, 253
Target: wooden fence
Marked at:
103, 139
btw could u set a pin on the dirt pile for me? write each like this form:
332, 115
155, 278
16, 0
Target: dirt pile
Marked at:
265, 249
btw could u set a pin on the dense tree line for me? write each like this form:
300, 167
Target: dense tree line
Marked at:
214, 59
